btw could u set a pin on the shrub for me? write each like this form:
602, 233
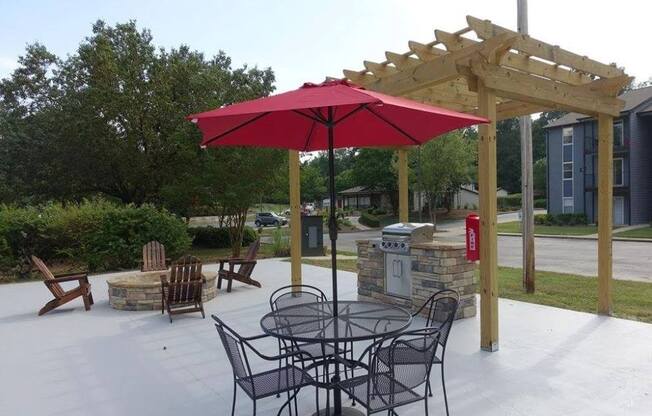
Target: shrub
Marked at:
98, 233
369, 220
508, 202
281, 242
540, 203
214, 237
561, 219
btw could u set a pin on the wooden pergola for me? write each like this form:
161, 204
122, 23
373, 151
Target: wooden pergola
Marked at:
494, 72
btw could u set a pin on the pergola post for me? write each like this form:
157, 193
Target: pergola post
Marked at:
295, 216
403, 209
605, 212
488, 219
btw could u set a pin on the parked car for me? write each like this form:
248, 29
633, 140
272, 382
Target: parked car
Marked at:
269, 218
309, 207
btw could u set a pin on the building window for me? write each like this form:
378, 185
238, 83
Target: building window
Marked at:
619, 140
365, 201
567, 170
619, 172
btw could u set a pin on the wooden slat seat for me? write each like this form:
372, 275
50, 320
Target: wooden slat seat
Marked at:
61, 296
154, 257
182, 292
246, 267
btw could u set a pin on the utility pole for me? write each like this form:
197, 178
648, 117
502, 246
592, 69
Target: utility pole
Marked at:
527, 194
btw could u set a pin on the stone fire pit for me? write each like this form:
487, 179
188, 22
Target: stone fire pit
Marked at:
141, 291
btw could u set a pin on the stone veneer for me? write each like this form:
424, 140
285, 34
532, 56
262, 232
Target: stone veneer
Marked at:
141, 291
435, 266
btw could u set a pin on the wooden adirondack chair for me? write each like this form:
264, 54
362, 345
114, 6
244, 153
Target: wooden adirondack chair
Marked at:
182, 292
243, 274
154, 257
62, 296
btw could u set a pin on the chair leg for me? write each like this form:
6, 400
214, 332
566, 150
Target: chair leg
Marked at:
228, 286
235, 389
443, 384
219, 280
254, 413
428, 387
87, 304
90, 298
425, 401
49, 306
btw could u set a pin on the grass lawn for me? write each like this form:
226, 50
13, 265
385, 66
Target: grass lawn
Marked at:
632, 300
211, 255
515, 227
638, 233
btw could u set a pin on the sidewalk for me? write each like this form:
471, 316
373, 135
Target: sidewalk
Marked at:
591, 236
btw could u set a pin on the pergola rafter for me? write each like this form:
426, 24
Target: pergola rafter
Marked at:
501, 74
555, 78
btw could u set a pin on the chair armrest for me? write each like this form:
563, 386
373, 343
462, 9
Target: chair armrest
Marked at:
241, 261
60, 275
70, 278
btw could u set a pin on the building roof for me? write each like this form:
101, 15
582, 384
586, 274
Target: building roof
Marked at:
632, 98
645, 110
359, 190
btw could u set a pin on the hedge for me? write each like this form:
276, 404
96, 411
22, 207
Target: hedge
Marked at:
99, 234
561, 219
369, 220
509, 202
214, 237
541, 203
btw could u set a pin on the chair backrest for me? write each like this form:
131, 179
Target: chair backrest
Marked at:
418, 347
235, 350
153, 257
55, 288
186, 269
252, 251
295, 295
442, 308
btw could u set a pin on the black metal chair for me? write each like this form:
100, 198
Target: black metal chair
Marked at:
390, 382
293, 295
284, 379
441, 309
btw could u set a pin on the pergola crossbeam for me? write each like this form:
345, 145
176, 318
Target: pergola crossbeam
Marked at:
484, 29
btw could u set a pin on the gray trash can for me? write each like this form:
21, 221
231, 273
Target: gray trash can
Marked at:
312, 235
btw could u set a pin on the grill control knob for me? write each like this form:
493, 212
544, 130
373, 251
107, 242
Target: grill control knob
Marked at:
403, 245
395, 244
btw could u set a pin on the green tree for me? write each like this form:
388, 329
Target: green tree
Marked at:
446, 164
374, 168
313, 183
539, 173
110, 119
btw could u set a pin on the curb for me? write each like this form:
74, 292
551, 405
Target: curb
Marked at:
580, 237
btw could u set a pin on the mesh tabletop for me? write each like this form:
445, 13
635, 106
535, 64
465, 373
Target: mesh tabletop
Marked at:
314, 322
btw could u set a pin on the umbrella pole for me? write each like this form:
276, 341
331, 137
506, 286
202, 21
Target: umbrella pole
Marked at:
332, 234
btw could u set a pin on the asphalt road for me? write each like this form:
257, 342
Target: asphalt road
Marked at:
631, 261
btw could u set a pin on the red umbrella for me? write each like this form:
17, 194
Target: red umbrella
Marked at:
323, 116
329, 115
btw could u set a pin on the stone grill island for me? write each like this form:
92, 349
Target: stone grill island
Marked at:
433, 266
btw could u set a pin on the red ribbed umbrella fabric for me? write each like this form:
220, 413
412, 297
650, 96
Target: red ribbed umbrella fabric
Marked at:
299, 120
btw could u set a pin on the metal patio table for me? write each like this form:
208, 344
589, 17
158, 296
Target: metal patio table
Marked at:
354, 321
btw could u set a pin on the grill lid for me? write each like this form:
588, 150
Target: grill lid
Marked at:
416, 232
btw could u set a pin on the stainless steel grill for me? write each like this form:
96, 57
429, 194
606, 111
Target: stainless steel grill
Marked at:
397, 238
396, 242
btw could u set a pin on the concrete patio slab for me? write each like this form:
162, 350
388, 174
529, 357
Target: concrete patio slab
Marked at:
109, 362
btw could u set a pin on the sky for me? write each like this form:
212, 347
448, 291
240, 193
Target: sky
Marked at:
309, 40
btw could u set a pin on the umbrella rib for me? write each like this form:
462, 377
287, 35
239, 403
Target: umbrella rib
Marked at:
350, 113
308, 116
397, 128
239, 126
312, 128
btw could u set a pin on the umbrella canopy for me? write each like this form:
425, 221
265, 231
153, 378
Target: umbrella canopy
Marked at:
300, 120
